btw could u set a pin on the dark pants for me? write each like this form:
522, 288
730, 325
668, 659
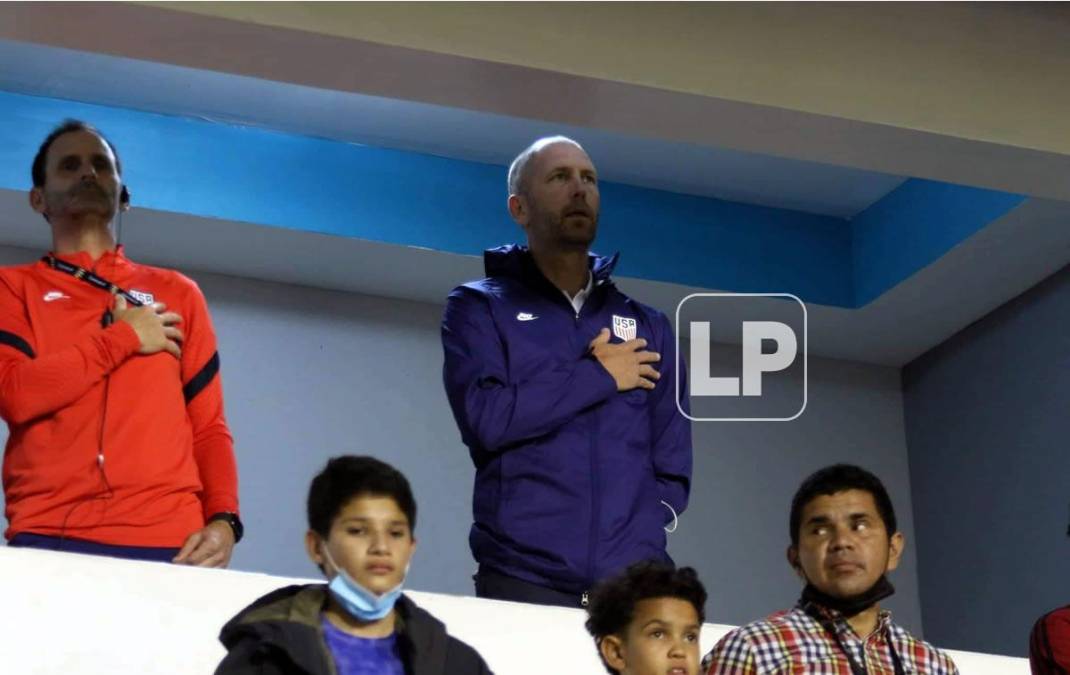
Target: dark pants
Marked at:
497, 586
30, 540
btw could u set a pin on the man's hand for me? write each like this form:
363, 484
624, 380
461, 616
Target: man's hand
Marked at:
210, 546
627, 361
155, 326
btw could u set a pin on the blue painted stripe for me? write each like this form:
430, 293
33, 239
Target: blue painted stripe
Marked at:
712, 243
260, 176
265, 177
913, 226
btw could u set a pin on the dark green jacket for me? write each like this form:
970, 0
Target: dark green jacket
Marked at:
281, 634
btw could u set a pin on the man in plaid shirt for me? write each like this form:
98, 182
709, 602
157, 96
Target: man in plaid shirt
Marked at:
1049, 643
844, 539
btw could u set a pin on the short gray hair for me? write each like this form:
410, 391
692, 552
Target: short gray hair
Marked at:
518, 170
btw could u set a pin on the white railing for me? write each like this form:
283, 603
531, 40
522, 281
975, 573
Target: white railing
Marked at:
68, 614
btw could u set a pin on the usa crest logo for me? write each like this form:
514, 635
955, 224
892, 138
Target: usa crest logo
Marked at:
624, 327
143, 297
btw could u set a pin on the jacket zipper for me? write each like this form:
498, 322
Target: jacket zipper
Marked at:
592, 536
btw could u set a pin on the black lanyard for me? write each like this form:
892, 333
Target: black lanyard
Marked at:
93, 280
90, 278
856, 668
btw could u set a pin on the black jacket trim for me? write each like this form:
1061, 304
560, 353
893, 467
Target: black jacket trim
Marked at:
12, 340
201, 379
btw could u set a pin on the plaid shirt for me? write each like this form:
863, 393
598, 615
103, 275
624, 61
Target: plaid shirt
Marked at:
794, 642
1049, 643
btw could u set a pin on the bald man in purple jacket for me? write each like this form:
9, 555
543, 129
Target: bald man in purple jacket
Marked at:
565, 392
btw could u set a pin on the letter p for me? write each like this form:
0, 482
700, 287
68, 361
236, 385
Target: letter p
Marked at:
755, 362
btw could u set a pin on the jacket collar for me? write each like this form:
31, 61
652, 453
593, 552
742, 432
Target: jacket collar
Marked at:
425, 635
514, 260
111, 260
290, 618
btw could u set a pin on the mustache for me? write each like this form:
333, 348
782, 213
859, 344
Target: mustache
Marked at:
577, 210
89, 188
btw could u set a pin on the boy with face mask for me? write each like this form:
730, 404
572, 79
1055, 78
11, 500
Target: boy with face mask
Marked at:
361, 516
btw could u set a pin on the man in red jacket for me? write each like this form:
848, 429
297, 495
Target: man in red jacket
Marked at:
109, 383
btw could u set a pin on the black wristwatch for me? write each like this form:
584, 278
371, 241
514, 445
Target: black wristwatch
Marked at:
231, 519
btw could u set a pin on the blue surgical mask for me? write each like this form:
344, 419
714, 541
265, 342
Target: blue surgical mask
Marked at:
358, 601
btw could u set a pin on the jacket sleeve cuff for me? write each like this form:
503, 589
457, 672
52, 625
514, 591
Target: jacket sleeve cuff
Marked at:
604, 384
121, 341
219, 504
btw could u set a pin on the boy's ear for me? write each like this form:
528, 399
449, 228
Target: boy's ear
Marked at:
611, 648
314, 548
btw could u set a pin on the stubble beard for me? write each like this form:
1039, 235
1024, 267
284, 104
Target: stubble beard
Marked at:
559, 234
81, 200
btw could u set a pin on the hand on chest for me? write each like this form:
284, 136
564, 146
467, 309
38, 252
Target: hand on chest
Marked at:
66, 311
538, 333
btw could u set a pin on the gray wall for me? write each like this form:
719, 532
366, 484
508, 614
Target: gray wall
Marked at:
736, 530
309, 373
987, 429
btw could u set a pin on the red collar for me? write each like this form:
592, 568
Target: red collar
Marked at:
111, 260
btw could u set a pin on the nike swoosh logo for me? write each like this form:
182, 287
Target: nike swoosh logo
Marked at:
524, 316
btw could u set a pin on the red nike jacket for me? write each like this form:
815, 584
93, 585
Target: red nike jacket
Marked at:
108, 445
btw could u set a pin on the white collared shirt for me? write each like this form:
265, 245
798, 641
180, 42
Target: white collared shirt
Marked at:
581, 297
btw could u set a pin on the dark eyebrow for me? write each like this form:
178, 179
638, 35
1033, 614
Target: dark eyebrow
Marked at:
364, 519
97, 156
818, 520
652, 621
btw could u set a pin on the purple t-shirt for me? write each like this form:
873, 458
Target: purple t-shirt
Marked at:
362, 656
